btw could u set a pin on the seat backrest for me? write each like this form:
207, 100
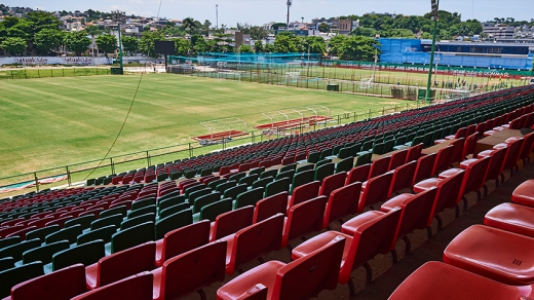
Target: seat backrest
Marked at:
167, 211
414, 153
13, 276
44, 253
133, 236
304, 217
342, 202
397, 159
460, 133
528, 143
372, 237
379, 166
496, 164
304, 192
211, 211
69, 233
470, 144
137, 287
209, 263
254, 240
86, 254
443, 160
186, 238
270, 206
458, 150
376, 190
324, 170
425, 165
402, 177
126, 263
174, 221
331, 183
303, 177
307, 276
360, 173
61, 284
512, 155
345, 165
136, 204
235, 191
115, 219
475, 176
277, 186
249, 197
103, 234
205, 200
448, 191
231, 222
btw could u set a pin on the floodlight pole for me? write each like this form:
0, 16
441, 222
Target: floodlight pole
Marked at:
120, 49
435, 8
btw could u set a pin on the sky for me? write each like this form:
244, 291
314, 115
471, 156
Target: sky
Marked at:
258, 12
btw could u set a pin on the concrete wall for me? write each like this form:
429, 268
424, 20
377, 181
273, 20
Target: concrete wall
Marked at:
68, 60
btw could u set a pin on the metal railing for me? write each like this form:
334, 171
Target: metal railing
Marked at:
28, 73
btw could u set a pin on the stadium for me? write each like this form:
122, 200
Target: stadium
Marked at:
230, 175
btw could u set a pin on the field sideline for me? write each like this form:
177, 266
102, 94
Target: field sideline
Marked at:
51, 122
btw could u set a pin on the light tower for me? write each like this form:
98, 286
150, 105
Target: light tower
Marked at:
289, 3
435, 9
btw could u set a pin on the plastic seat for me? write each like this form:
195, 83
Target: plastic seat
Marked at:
62, 285
170, 210
121, 265
379, 166
510, 260
424, 167
120, 209
132, 237
11, 241
438, 281
130, 222
250, 197
174, 221
360, 173
512, 217
397, 159
443, 159
496, 164
15, 250
304, 192
86, 254
332, 183
208, 261
323, 171
302, 178
345, 165
235, 191
375, 190
342, 202
13, 276
141, 211
22, 232
252, 241
290, 281
277, 186
474, 177
231, 222
44, 253
84, 221
414, 153
6, 263
110, 220
512, 155
524, 193
304, 218
374, 231
182, 240
137, 287
211, 211
270, 206
416, 210
104, 234
402, 177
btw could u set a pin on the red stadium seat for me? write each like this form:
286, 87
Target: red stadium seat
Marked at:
512, 217
366, 235
253, 241
494, 253
439, 281
61, 284
474, 178
402, 177
304, 218
300, 279
397, 159
137, 287
443, 159
414, 153
375, 190
342, 202
360, 173
182, 240
379, 166
303, 193
231, 222
424, 167
121, 265
270, 206
332, 183
205, 265
524, 193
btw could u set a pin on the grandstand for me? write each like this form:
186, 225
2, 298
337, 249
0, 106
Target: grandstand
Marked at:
323, 213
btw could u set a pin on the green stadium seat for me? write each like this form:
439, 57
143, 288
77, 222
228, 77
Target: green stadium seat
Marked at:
13, 276
324, 171
69, 234
44, 253
130, 222
142, 211
345, 165
211, 211
172, 222
173, 209
133, 236
41, 233
277, 186
111, 220
103, 234
85, 254
249, 197
121, 209
262, 182
84, 221
6, 263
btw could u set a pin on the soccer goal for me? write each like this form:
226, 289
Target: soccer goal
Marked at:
293, 76
366, 83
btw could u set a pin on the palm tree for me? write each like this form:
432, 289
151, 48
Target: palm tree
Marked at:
189, 23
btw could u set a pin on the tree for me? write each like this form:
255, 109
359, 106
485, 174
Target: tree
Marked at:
77, 41
14, 45
130, 44
287, 43
48, 39
257, 33
107, 42
269, 48
323, 27
94, 30
183, 46
362, 31
221, 43
258, 47
189, 24
277, 26
354, 47
40, 20
315, 44
147, 43
246, 49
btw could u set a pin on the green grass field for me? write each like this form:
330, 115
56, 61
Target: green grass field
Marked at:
51, 122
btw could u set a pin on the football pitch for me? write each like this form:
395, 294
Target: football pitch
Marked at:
52, 122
